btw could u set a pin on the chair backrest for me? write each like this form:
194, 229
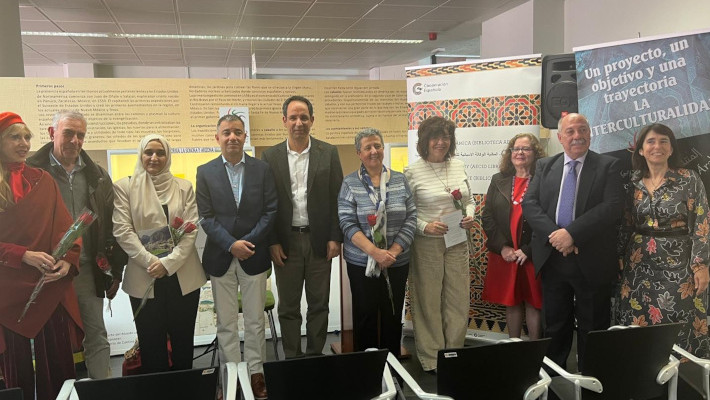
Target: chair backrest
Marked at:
11, 394
627, 361
194, 384
492, 371
349, 376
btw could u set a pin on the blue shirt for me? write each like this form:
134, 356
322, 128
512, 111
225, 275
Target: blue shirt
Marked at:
235, 173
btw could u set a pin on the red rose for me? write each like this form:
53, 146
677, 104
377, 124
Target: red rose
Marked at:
102, 262
190, 227
372, 219
86, 218
457, 194
177, 223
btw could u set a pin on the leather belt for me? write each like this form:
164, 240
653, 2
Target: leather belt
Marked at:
301, 229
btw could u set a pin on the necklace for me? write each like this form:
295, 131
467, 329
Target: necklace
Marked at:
446, 167
653, 186
525, 190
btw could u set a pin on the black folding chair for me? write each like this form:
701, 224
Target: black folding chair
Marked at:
623, 363
11, 394
508, 369
194, 384
350, 376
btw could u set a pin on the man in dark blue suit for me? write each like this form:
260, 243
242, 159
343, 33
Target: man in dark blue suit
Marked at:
572, 205
237, 198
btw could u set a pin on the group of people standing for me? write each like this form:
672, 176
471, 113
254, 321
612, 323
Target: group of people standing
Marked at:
564, 213
551, 225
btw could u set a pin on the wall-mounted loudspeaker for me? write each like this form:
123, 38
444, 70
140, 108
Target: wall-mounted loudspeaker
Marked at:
559, 88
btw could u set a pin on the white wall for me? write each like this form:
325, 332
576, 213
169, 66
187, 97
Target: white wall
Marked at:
127, 71
391, 72
508, 34
600, 21
44, 71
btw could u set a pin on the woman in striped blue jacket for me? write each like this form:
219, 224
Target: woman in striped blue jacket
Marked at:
378, 218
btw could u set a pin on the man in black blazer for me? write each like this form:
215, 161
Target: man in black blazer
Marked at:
576, 255
307, 236
236, 197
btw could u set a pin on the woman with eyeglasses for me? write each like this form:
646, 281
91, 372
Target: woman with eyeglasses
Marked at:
439, 280
510, 278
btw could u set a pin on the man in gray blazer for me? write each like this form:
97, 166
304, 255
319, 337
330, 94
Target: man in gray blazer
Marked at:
572, 205
237, 199
306, 237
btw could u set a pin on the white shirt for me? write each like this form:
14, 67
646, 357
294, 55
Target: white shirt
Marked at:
429, 183
580, 163
298, 168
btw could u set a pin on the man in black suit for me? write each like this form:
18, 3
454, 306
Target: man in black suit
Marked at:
572, 205
306, 237
237, 199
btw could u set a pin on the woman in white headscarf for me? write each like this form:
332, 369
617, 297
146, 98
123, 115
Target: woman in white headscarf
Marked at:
144, 203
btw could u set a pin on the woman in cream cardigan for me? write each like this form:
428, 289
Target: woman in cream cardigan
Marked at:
439, 279
148, 200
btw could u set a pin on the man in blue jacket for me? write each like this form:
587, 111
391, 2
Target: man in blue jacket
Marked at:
236, 196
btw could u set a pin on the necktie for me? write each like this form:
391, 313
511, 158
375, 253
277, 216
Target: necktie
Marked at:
569, 186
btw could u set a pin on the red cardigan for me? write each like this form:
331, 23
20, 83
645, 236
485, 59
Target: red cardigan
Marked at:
36, 223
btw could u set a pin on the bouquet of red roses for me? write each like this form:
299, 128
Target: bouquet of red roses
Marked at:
74, 232
178, 229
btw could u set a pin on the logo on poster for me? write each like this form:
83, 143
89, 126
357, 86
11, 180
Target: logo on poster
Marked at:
419, 88
240, 113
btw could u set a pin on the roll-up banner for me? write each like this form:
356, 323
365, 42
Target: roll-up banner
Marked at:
489, 101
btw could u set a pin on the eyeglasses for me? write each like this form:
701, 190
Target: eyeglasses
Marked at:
521, 150
443, 138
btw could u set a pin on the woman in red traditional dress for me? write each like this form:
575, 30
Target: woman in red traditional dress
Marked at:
510, 278
33, 220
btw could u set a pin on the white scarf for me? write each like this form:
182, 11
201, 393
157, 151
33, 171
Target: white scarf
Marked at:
149, 192
371, 270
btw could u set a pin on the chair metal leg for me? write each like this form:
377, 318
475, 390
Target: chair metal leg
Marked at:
215, 350
274, 335
212, 347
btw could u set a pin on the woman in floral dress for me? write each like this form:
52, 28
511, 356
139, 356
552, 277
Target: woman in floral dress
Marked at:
665, 234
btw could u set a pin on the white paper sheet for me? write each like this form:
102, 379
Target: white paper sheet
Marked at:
456, 234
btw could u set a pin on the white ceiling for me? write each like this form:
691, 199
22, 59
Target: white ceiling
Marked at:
457, 22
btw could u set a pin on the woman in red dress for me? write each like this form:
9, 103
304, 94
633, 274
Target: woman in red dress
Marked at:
510, 278
33, 220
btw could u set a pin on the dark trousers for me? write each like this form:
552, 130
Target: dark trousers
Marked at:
53, 358
372, 307
569, 296
168, 313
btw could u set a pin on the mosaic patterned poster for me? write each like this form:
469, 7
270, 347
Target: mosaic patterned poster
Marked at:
490, 101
